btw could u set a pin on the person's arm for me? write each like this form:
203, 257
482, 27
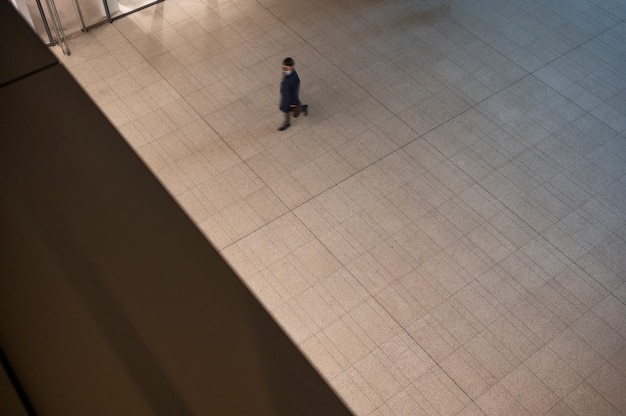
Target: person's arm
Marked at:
294, 85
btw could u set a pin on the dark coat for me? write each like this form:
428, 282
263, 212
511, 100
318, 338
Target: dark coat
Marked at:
289, 91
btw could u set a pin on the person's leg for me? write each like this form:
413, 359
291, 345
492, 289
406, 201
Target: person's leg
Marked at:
305, 109
287, 122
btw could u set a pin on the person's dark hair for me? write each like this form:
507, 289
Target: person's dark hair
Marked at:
288, 62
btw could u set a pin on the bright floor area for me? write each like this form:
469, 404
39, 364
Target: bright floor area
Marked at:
445, 233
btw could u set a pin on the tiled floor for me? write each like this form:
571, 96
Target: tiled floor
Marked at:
445, 233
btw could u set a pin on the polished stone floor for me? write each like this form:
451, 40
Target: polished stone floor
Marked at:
445, 233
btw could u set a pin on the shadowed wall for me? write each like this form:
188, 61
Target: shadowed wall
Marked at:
111, 301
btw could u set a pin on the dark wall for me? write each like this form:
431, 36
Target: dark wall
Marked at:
111, 301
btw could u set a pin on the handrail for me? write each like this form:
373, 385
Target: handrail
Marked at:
58, 26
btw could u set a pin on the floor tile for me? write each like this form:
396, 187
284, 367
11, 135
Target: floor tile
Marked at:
553, 372
588, 401
528, 389
444, 233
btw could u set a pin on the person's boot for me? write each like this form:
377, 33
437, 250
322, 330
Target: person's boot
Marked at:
284, 127
305, 110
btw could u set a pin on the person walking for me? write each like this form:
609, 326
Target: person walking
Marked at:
289, 94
